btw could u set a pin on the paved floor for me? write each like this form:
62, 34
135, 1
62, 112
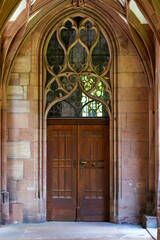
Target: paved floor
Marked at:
73, 231
153, 232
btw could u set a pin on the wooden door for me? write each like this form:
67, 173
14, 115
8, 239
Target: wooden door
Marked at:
93, 175
61, 176
78, 170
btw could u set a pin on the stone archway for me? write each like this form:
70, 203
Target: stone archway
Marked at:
128, 135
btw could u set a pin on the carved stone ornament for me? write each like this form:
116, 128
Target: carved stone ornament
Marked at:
78, 3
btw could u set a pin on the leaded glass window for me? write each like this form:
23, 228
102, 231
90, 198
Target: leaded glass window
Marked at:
76, 106
77, 63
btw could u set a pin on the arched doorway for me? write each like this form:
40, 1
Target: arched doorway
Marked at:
77, 101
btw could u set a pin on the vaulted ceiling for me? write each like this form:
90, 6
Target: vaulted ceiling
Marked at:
139, 19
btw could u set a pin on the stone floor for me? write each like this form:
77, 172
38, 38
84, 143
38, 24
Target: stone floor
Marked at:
73, 231
153, 232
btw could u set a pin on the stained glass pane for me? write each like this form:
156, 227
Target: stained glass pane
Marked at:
88, 34
77, 106
100, 55
68, 34
77, 62
55, 54
68, 82
78, 57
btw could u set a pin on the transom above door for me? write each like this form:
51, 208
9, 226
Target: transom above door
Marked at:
77, 170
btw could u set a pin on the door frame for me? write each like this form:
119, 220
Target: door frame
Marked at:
78, 121
115, 143
83, 121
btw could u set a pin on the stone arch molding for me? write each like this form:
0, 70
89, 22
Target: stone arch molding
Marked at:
110, 36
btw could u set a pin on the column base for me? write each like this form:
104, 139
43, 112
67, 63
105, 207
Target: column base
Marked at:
150, 221
5, 219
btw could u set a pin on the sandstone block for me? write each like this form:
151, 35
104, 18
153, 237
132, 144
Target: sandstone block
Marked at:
13, 135
18, 149
22, 64
141, 187
31, 93
125, 80
137, 121
143, 94
126, 150
136, 135
17, 120
139, 80
33, 79
24, 79
29, 170
16, 106
14, 79
139, 150
15, 92
25, 196
22, 184
16, 213
26, 135
15, 169
25, 90
122, 120
134, 173
128, 94
129, 64
134, 106
128, 186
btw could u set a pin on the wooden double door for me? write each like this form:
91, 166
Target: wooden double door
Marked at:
77, 170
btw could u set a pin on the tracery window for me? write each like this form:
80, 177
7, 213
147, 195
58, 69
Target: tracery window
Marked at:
77, 62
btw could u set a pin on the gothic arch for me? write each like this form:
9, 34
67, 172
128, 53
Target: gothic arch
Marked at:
111, 36
115, 145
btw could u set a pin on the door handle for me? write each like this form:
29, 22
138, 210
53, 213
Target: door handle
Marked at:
81, 165
83, 162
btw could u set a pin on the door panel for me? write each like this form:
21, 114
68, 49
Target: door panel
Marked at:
93, 177
78, 172
61, 184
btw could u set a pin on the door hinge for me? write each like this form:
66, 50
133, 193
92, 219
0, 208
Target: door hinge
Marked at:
75, 163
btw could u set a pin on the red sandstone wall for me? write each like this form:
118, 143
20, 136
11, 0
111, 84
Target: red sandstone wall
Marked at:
133, 137
22, 137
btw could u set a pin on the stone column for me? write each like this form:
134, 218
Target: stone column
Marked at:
157, 144
4, 193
